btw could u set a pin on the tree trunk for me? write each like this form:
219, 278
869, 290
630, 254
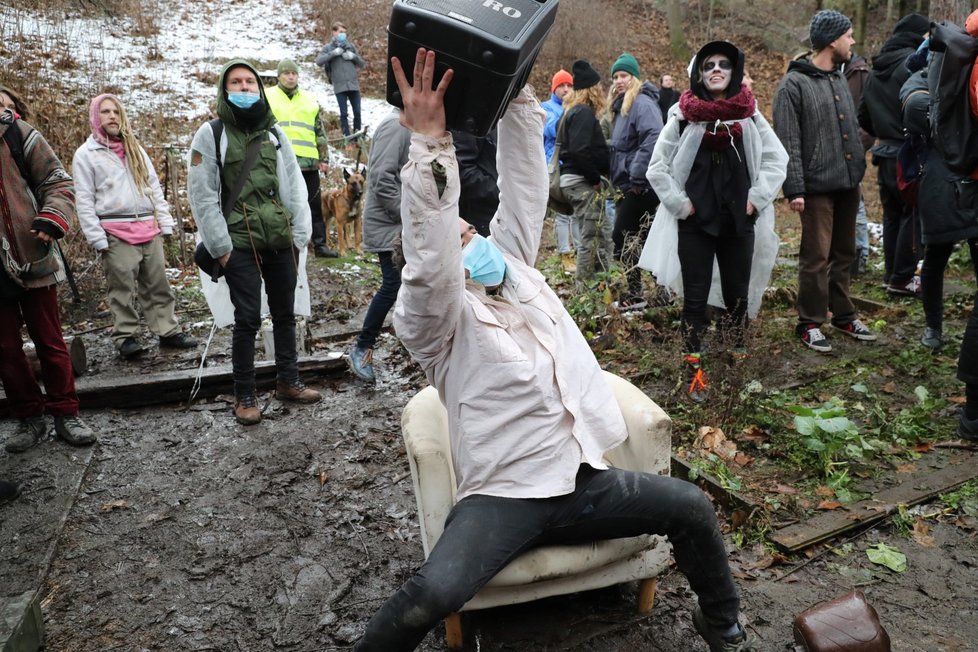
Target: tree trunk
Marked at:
677, 36
955, 11
859, 24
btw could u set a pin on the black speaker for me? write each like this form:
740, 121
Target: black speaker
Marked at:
490, 44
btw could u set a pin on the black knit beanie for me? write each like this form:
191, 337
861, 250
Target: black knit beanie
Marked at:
584, 75
826, 26
913, 23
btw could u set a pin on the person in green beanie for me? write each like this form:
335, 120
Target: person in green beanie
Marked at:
637, 121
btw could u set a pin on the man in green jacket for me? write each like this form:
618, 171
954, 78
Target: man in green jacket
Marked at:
258, 237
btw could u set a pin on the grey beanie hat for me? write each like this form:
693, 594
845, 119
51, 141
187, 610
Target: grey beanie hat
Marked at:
826, 26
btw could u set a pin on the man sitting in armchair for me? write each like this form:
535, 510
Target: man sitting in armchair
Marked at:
530, 413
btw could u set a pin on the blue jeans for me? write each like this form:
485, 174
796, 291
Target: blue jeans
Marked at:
484, 533
382, 302
568, 233
244, 273
354, 98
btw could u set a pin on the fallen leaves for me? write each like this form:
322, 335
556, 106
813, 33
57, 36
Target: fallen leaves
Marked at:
921, 534
711, 440
888, 556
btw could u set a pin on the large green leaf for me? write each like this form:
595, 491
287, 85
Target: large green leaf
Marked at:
805, 426
890, 557
833, 425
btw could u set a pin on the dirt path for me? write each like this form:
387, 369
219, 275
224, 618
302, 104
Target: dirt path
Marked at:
190, 532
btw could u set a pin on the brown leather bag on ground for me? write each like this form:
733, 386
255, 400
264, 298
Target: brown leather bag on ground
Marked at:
845, 624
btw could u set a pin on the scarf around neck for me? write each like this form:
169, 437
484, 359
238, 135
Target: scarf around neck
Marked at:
98, 133
719, 116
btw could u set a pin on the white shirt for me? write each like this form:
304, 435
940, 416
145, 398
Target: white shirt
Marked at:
526, 399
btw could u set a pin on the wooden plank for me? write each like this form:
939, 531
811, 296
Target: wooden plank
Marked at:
21, 623
726, 497
96, 392
918, 487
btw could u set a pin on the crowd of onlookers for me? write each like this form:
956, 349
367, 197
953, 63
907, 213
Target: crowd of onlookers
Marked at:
680, 183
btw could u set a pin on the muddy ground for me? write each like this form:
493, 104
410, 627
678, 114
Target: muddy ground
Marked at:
181, 530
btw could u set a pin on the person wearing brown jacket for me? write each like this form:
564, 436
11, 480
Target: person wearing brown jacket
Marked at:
36, 208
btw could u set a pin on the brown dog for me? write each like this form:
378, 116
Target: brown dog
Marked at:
343, 205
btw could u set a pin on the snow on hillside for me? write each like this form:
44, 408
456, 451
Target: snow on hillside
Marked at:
162, 73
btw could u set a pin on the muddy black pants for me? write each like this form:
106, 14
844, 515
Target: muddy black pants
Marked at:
484, 533
244, 273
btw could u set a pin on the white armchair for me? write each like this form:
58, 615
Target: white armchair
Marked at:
547, 570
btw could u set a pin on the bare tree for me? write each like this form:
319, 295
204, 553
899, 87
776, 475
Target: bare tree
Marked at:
677, 35
860, 21
955, 11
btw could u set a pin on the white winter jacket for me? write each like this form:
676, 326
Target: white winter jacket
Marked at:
672, 160
527, 402
104, 188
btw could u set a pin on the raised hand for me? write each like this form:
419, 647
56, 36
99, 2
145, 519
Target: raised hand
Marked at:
424, 107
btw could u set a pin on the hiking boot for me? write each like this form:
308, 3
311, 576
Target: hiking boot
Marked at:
178, 341
967, 428
8, 491
130, 348
296, 391
909, 289
73, 430
568, 261
812, 336
856, 329
695, 378
246, 410
630, 304
932, 338
322, 251
361, 364
742, 642
29, 432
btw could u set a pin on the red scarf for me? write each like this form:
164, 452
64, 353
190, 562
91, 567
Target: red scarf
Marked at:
718, 136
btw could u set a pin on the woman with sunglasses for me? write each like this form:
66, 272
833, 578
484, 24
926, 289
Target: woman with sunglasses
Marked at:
717, 167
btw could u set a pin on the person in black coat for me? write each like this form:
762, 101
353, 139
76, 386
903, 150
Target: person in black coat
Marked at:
584, 165
477, 172
880, 115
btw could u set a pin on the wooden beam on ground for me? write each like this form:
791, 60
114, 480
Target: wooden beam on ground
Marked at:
21, 623
868, 306
731, 500
933, 477
141, 390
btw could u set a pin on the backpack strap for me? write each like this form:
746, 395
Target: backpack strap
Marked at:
217, 128
230, 198
15, 142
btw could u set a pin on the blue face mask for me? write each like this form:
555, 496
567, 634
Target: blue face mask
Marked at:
243, 100
341, 37
484, 262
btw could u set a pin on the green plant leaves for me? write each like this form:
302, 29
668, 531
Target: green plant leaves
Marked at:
888, 556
